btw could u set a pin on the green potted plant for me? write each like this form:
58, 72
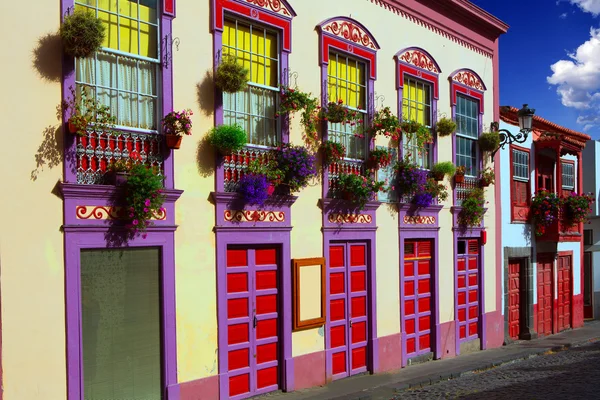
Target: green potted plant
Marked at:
441, 169
269, 168
409, 126
577, 207
386, 123
357, 189
489, 141
338, 112
82, 34
379, 158
231, 76
143, 196
545, 207
445, 126
332, 152
487, 177
84, 110
459, 174
292, 100
118, 171
176, 124
227, 139
421, 133
472, 210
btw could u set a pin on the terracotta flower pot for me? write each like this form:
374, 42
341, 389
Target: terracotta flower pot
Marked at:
485, 183
118, 178
73, 128
459, 178
439, 177
173, 141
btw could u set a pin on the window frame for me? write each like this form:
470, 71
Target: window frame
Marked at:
571, 164
513, 215
477, 158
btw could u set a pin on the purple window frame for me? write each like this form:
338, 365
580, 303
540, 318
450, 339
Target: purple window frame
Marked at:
354, 49
256, 17
91, 234
401, 73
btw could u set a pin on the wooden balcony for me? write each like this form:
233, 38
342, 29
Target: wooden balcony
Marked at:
560, 231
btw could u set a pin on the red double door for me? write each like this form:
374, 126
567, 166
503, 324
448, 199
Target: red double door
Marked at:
545, 295
253, 322
467, 295
547, 316
348, 329
514, 299
563, 286
418, 299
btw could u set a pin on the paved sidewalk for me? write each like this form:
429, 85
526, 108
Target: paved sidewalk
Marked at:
385, 385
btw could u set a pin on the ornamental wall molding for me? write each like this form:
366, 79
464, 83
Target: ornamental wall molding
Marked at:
276, 6
469, 78
431, 27
253, 216
111, 213
419, 220
419, 59
351, 31
336, 218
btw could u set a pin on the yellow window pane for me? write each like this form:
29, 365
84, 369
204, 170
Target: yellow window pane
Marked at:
352, 71
148, 39
258, 70
229, 34
420, 94
243, 37
342, 70
332, 89
332, 67
272, 71
111, 40
361, 79
404, 108
271, 46
148, 11
109, 5
128, 36
342, 92
87, 2
128, 8
362, 98
352, 95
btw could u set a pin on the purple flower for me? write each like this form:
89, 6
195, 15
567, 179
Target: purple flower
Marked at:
423, 199
135, 222
146, 209
130, 215
147, 203
254, 189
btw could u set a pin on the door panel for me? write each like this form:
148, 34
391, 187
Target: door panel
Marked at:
564, 292
417, 297
514, 298
253, 321
348, 308
468, 290
588, 289
545, 296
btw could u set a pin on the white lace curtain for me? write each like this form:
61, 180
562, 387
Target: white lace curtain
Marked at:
125, 84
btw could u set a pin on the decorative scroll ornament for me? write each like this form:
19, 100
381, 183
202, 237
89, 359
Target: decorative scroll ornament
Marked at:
254, 216
419, 60
349, 31
468, 78
419, 220
350, 218
109, 212
276, 6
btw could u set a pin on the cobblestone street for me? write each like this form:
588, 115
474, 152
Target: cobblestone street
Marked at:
570, 374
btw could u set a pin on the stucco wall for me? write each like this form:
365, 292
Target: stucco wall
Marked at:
31, 244
591, 177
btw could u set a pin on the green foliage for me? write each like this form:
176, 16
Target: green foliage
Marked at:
231, 76
332, 151
82, 33
577, 207
227, 139
489, 141
472, 210
293, 100
338, 112
460, 170
488, 176
85, 110
445, 126
357, 188
386, 123
379, 158
441, 169
421, 133
436, 190
144, 197
267, 167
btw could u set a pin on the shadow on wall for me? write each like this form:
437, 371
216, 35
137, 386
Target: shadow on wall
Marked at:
50, 152
205, 92
47, 57
205, 158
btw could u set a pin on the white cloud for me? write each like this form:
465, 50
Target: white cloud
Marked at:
562, 16
577, 79
590, 6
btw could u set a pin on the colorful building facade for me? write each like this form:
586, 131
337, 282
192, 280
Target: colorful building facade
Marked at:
543, 271
591, 233
205, 305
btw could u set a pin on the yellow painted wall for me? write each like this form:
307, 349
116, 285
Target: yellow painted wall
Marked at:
31, 245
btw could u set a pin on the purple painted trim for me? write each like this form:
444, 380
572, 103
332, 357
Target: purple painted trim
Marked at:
367, 234
420, 232
352, 21
254, 234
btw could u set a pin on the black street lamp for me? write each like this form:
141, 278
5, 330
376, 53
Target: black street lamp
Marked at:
525, 115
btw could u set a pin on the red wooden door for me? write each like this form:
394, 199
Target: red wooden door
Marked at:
545, 173
588, 289
468, 289
252, 321
514, 298
348, 308
564, 292
417, 316
545, 296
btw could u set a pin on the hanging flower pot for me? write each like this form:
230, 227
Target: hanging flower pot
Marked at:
173, 141
231, 76
120, 178
489, 141
72, 127
82, 33
445, 127
459, 177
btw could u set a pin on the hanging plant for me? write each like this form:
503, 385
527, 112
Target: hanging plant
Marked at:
489, 141
445, 126
472, 210
293, 100
118, 171
409, 178
85, 111
338, 112
487, 177
297, 166
409, 126
143, 196
332, 152
459, 175
545, 207
231, 75
176, 124
255, 189
357, 189
82, 34
227, 139
386, 123
419, 132
441, 169
379, 158
577, 207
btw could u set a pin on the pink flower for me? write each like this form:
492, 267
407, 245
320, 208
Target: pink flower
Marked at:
146, 209
135, 222
147, 203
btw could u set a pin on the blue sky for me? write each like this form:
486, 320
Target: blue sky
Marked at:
550, 59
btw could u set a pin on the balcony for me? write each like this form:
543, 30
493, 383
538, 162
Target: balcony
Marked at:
560, 231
